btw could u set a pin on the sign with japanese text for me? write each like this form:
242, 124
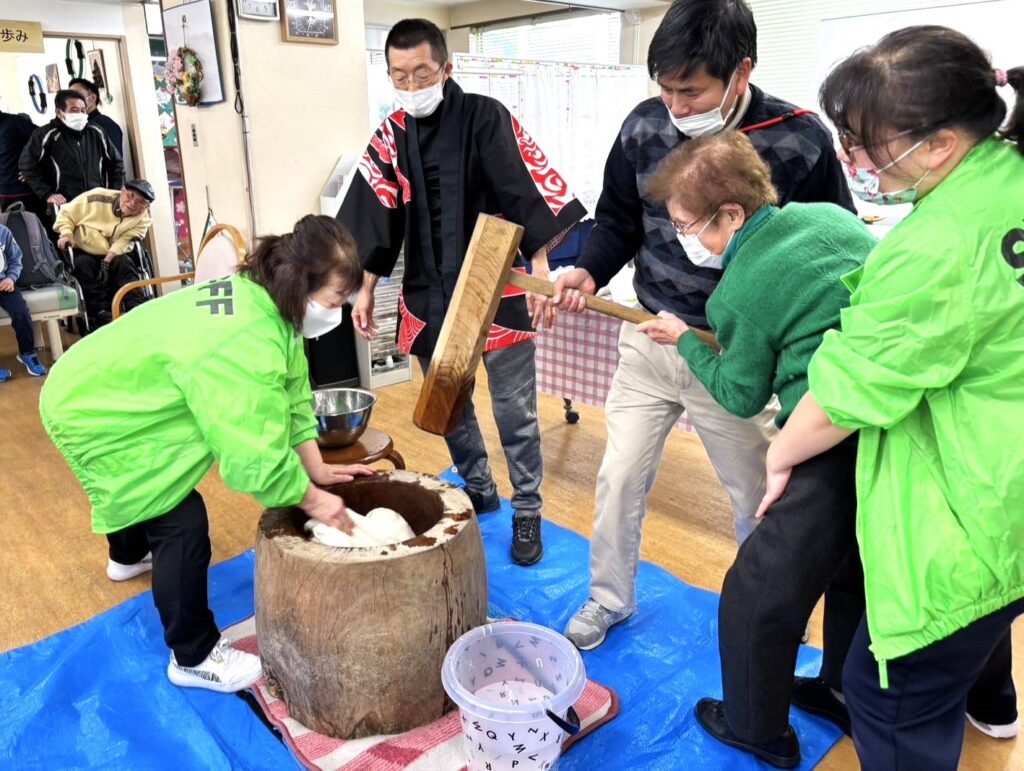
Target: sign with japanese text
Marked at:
21, 36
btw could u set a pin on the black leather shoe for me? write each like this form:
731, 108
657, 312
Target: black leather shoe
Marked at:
526, 546
783, 752
484, 504
813, 695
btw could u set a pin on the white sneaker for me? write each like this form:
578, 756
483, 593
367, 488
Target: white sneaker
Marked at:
225, 670
118, 572
1006, 731
588, 628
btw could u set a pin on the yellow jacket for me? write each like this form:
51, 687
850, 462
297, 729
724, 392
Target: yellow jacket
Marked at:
95, 222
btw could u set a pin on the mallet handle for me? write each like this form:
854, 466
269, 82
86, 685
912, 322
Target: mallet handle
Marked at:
597, 304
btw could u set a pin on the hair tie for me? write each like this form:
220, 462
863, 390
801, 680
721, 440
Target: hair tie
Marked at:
1001, 79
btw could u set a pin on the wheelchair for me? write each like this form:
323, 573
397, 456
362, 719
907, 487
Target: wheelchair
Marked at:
141, 266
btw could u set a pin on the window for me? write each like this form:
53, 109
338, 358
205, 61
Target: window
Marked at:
573, 37
378, 85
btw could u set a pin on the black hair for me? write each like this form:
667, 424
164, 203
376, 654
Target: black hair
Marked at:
88, 85
409, 33
716, 33
917, 80
294, 265
64, 96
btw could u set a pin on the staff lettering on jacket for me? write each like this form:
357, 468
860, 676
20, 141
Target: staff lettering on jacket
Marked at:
1011, 242
218, 289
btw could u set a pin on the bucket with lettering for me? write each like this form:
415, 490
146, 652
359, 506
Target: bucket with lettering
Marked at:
514, 684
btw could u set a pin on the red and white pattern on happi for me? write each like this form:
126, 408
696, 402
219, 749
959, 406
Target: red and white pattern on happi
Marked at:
409, 327
578, 358
385, 190
432, 747
548, 181
383, 143
502, 337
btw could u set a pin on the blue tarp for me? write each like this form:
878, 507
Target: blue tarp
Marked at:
96, 695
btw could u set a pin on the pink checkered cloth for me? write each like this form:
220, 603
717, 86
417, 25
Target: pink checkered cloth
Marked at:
578, 358
437, 745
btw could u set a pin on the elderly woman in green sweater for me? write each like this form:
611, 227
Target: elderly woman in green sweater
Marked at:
781, 290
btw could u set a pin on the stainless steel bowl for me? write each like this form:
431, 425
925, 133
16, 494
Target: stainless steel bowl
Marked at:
342, 414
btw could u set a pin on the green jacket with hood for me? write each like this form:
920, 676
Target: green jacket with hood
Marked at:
929, 365
143, 407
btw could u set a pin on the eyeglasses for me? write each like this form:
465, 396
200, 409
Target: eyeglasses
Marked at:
850, 143
683, 230
421, 77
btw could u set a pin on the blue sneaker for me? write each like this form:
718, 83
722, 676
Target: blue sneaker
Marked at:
5, 375
35, 369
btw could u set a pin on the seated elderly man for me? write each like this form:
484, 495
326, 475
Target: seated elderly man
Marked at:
101, 225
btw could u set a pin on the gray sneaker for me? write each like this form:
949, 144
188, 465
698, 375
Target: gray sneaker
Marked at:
588, 628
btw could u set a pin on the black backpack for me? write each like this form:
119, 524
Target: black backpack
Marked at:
40, 264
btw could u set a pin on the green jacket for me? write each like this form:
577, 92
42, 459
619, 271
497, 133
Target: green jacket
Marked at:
781, 291
143, 407
930, 366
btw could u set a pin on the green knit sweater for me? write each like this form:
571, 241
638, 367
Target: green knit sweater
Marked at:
780, 292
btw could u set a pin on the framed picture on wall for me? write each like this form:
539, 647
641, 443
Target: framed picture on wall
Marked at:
97, 68
310, 21
52, 78
190, 24
261, 10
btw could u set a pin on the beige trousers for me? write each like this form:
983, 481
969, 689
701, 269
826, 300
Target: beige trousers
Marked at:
650, 390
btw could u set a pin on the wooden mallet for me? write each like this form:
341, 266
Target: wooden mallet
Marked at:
460, 344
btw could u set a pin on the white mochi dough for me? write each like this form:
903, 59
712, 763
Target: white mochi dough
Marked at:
378, 528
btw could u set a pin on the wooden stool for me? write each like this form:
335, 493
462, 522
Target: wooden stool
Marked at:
372, 446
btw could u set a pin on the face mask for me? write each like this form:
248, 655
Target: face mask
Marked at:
710, 122
422, 102
76, 121
320, 320
699, 254
865, 183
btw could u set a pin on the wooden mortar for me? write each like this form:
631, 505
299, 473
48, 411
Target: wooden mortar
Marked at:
353, 639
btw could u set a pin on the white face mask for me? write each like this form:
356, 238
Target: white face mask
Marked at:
699, 254
710, 122
320, 320
422, 102
76, 121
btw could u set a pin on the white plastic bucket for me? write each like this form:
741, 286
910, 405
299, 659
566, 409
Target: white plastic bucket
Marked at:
514, 684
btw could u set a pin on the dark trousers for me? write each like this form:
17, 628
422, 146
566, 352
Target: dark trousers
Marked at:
99, 294
918, 721
16, 307
804, 547
180, 543
512, 381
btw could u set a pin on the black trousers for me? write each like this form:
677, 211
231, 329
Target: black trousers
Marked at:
99, 294
180, 542
16, 307
918, 721
804, 547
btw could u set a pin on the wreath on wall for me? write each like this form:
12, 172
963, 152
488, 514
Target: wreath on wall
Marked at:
185, 75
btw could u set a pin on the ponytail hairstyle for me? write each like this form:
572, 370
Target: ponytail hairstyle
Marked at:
1015, 127
294, 265
917, 80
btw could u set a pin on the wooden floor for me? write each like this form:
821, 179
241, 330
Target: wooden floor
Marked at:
52, 576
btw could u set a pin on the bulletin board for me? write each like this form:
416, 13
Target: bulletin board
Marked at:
573, 111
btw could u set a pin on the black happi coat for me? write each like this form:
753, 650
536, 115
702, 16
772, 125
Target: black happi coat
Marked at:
487, 165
